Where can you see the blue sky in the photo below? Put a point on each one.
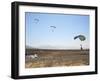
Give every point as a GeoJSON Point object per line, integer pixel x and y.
{"type": "Point", "coordinates": [40, 34]}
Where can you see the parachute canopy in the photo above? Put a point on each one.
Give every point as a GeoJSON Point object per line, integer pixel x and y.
{"type": "Point", "coordinates": [81, 37]}
{"type": "Point", "coordinates": [53, 26]}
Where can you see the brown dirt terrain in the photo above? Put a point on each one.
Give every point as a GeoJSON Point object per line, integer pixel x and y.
{"type": "Point", "coordinates": [54, 58]}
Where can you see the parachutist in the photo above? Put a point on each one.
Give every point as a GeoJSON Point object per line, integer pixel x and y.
{"type": "Point", "coordinates": [81, 47]}
{"type": "Point", "coordinates": [82, 38]}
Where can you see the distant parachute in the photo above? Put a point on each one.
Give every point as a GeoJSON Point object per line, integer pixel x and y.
{"type": "Point", "coordinates": [81, 37]}
{"type": "Point", "coordinates": [52, 28]}
{"type": "Point", "coordinates": [36, 20]}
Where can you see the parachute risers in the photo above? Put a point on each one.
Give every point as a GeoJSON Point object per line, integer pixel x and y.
{"type": "Point", "coordinates": [82, 38]}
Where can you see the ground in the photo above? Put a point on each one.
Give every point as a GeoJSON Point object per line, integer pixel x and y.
{"type": "Point", "coordinates": [54, 58]}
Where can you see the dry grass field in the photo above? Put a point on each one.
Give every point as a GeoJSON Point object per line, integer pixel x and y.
{"type": "Point", "coordinates": [54, 58]}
